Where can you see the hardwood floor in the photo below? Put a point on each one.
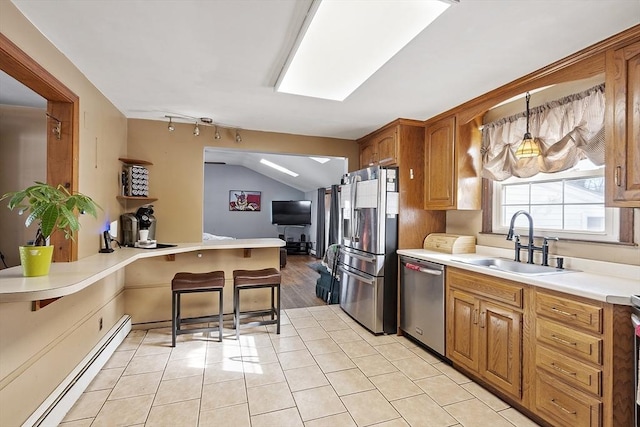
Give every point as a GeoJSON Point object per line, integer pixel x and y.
{"type": "Point", "coordinates": [299, 283]}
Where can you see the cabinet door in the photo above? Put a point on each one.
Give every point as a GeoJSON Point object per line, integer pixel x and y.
{"type": "Point", "coordinates": [501, 347]}
{"type": "Point", "coordinates": [440, 176]}
{"type": "Point", "coordinates": [387, 148]}
{"type": "Point", "coordinates": [368, 155]}
{"type": "Point", "coordinates": [623, 126]}
{"type": "Point", "coordinates": [462, 329]}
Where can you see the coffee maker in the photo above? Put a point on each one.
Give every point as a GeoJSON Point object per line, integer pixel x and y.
{"type": "Point", "coordinates": [132, 223]}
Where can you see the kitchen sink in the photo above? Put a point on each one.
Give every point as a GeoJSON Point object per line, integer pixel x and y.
{"type": "Point", "coordinates": [513, 266]}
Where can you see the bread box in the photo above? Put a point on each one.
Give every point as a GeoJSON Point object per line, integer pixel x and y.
{"type": "Point", "coordinates": [450, 243]}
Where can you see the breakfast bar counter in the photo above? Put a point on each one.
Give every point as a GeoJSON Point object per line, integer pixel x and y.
{"type": "Point", "coordinates": [69, 278]}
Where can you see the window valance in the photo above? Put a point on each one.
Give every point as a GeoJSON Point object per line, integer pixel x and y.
{"type": "Point", "coordinates": [567, 130]}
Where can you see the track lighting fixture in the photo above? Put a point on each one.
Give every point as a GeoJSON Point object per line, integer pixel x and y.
{"type": "Point", "coordinates": [238, 137]}
{"type": "Point", "coordinates": [196, 130]}
{"type": "Point", "coordinates": [216, 135]}
{"type": "Point", "coordinates": [200, 121]}
{"type": "Point", "coordinates": [171, 127]}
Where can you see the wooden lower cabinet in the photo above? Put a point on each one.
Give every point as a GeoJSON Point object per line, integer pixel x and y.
{"type": "Point", "coordinates": [563, 360]}
{"type": "Point", "coordinates": [484, 336]}
{"type": "Point", "coordinates": [565, 406]}
{"type": "Point", "coordinates": [501, 347]}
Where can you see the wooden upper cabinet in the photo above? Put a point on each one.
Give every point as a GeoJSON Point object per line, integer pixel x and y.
{"type": "Point", "coordinates": [440, 172]}
{"type": "Point", "coordinates": [380, 148]}
{"type": "Point", "coordinates": [452, 164]}
{"type": "Point", "coordinates": [388, 148]}
{"type": "Point", "coordinates": [622, 126]}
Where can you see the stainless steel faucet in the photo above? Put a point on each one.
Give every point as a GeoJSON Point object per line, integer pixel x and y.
{"type": "Point", "coordinates": [530, 246]}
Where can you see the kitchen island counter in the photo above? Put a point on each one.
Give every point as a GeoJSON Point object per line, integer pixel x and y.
{"type": "Point", "coordinates": [71, 277]}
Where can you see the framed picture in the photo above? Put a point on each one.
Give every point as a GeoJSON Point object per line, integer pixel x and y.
{"type": "Point", "coordinates": [246, 201]}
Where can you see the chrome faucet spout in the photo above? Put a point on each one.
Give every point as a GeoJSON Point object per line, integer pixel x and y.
{"type": "Point", "coordinates": [530, 246]}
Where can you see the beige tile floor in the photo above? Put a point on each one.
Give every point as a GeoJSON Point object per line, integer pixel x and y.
{"type": "Point", "coordinates": [322, 370]}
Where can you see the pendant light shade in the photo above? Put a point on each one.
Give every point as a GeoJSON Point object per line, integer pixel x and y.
{"type": "Point", "coordinates": [528, 147]}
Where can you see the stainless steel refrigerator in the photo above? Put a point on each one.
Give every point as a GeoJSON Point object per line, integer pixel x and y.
{"type": "Point", "coordinates": [368, 262]}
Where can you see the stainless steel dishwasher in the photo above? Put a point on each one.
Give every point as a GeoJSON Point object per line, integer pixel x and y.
{"type": "Point", "coordinates": [422, 302]}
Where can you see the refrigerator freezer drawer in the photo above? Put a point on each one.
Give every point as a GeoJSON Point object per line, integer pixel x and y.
{"type": "Point", "coordinates": [361, 297]}
{"type": "Point", "coordinates": [368, 263]}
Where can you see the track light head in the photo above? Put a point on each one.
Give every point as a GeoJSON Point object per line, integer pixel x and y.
{"type": "Point", "coordinates": [238, 137]}
{"type": "Point", "coordinates": [216, 135]}
{"type": "Point", "coordinates": [196, 130]}
{"type": "Point", "coordinates": [171, 127]}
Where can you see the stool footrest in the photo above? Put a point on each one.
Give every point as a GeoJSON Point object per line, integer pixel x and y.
{"type": "Point", "coordinates": [259, 323]}
{"type": "Point", "coordinates": [196, 330]}
{"type": "Point", "coordinates": [201, 319]}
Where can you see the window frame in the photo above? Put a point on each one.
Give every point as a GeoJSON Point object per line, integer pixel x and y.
{"type": "Point", "coordinates": [611, 231]}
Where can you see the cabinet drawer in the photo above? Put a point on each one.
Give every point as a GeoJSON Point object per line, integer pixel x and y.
{"type": "Point", "coordinates": [575, 373]}
{"type": "Point", "coordinates": [570, 312]}
{"type": "Point", "coordinates": [565, 406]}
{"type": "Point", "coordinates": [496, 289]}
{"type": "Point", "coordinates": [569, 340]}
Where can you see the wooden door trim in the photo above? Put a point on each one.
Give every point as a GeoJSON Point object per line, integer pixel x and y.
{"type": "Point", "coordinates": [63, 105]}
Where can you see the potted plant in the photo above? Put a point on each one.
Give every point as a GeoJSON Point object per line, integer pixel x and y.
{"type": "Point", "coordinates": [53, 208]}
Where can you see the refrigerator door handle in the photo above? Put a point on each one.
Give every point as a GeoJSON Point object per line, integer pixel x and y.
{"type": "Point", "coordinates": [360, 257]}
{"type": "Point", "coordinates": [366, 280]}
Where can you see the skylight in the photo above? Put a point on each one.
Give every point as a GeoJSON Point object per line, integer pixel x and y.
{"type": "Point", "coordinates": [321, 160]}
{"type": "Point", "coordinates": [342, 43]}
{"type": "Point", "coordinates": [278, 167]}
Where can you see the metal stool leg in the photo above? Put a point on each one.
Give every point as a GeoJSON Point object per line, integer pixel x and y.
{"type": "Point", "coordinates": [173, 319]}
{"type": "Point", "coordinates": [220, 313]}
{"type": "Point", "coordinates": [278, 312]}
{"type": "Point", "coordinates": [236, 311]}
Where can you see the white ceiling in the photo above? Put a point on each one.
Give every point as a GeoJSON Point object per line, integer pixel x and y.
{"type": "Point", "coordinates": [221, 58]}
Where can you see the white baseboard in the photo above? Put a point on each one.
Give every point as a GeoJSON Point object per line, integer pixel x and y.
{"type": "Point", "coordinates": [52, 411]}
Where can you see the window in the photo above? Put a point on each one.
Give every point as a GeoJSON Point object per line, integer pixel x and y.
{"type": "Point", "coordinates": [567, 204]}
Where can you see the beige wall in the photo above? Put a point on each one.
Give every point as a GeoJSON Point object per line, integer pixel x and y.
{"type": "Point", "coordinates": [23, 144]}
{"type": "Point", "coordinates": [102, 126]}
{"type": "Point", "coordinates": [39, 348]}
{"type": "Point", "coordinates": [177, 175]}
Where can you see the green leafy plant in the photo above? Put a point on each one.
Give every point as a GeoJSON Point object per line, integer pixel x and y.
{"type": "Point", "coordinates": [54, 208]}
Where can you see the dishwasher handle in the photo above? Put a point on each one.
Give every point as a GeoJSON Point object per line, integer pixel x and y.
{"type": "Point", "coordinates": [422, 269]}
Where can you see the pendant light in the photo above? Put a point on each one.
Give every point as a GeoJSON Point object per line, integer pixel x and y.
{"type": "Point", "coordinates": [528, 147]}
{"type": "Point", "coordinates": [171, 127]}
{"type": "Point", "coordinates": [216, 135]}
{"type": "Point", "coordinates": [196, 130]}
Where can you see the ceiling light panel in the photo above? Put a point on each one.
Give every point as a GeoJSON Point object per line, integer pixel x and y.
{"type": "Point", "coordinates": [343, 42]}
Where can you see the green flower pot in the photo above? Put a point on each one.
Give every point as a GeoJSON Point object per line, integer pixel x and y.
{"type": "Point", "coordinates": [35, 260]}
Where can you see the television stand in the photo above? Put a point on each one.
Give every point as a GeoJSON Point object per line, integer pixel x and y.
{"type": "Point", "coordinates": [298, 248]}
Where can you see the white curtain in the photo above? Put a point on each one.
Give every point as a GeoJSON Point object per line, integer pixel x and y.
{"type": "Point", "coordinates": [567, 131]}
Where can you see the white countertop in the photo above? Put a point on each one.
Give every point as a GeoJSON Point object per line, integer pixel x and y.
{"type": "Point", "coordinates": [596, 280]}
{"type": "Point", "coordinates": [66, 278]}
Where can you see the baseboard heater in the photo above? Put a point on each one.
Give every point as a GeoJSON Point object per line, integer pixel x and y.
{"type": "Point", "coordinates": [55, 407]}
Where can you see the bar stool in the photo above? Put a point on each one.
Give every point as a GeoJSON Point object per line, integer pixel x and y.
{"type": "Point", "coordinates": [183, 283]}
{"type": "Point", "coordinates": [256, 279]}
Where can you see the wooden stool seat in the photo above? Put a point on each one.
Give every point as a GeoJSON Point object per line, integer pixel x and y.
{"type": "Point", "coordinates": [195, 282]}
{"type": "Point", "coordinates": [256, 279]}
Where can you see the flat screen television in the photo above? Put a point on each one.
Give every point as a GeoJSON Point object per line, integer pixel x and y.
{"type": "Point", "coordinates": [292, 212]}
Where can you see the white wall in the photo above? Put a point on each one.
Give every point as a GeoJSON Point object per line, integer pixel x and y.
{"type": "Point", "coordinates": [219, 220]}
